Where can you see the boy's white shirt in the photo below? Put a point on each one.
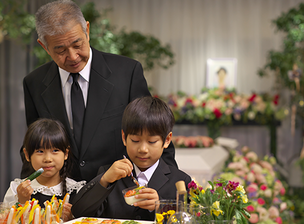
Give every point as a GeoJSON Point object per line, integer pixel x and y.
{"type": "Point", "coordinates": [11, 194]}
{"type": "Point", "coordinates": [147, 174]}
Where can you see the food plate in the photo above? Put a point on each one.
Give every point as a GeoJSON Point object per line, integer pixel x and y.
{"type": "Point", "coordinates": [101, 219]}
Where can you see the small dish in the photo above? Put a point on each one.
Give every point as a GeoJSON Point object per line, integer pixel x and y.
{"type": "Point", "coordinates": [129, 194]}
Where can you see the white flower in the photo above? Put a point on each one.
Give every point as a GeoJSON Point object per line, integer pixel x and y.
{"type": "Point", "coordinates": [251, 115]}
{"type": "Point", "coordinates": [268, 193]}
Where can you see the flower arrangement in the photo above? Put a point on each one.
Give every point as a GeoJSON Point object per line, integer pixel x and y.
{"type": "Point", "coordinates": [265, 191]}
{"type": "Point", "coordinates": [226, 200]}
{"type": "Point", "coordinates": [219, 106]}
{"type": "Point", "coordinates": [192, 141]}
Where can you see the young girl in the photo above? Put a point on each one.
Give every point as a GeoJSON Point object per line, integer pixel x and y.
{"type": "Point", "coordinates": [46, 146]}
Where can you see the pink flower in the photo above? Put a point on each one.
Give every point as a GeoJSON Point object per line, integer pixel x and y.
{"type": "Point", "coordinates": [275, 200]}
{"type": "Point", "coordinates": [266, 165]}
{"type": "Point", "coordinates": [252, 188]}
{"type": "Point", "coordinates": [279, 220]}
{"type": "Point", "coordinates": [273, 212]}
{"type": "Point", "coordinates": [192, 185]}
{"type": "Point", "coordinates": [240, 173]}
{"type": "Point", "coordinates": [261, 179]}
{"type": "Point", "coordinates": [263, 187]}
{"type": "Point", "coordinates": [245, 149]}
{"type": "Point", "coordinates": [250, 177]}
{"type": "Point", "coordinates": [282, 191]}
{"type": "Point", "coordinates": [235, 165]}
{"type": "Point", "coordinates": [254, 218]}
{"type": "Point", "coordinates": [261, 201]}
{"type": "Point", "coordinates": [250, 208]}
{"type": "Point", "coordinates": [237, 116]}
{"type": "Point", "coordinates": [252, 156]}
{"type": "Point", "coordinates": [283, 206]}
{"type": "Point", "coordinates": [263, 213]}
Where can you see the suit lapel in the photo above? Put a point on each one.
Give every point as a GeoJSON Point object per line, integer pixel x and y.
{"type": "Point", "coordinates": [159, 177]}
{"type": "Point", "coordinates": [54, 101]}
{"type": "Point", "coordinates": [98, 95]}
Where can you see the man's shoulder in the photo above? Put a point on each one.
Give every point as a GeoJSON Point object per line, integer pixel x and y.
{"type": "Point", "coordinates": [108, 57]}
{"type": "Point", "coordinates": [41, 71]}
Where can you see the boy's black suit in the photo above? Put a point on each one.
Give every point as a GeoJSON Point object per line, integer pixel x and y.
{"type": "Point", "coordinates": [95, 200]}
{"type": "Point", "coordinates": [114, 82]}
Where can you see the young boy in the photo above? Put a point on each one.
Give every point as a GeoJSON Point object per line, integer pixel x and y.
{"type": "Point", "coordinates": [146, 131]}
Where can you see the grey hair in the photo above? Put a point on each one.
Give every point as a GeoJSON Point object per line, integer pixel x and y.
{"type": "Point", "coordinates": [55, 18]}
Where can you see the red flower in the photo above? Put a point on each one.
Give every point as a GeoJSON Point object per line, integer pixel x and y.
{"type": "Point", "coordinates": [263, 187]}
{"type": "Point", "coordinates": [251, 99]}
{"type": "Point", "coordinates": [217, 113]}
{"type": "Point", "coordinates": [250, 208]}
{"type": "Point", "coordinates": [276, 99]}
{"type": "Point", "coordinates": [203, 104]}
{"type": "Point", "coordinates": [261, 201]}
{"type": "Point", "coordinates": [189, 100]}
{"type": "Point", "coordinates": [245, 158]}
{"type": "Point", "coordinates": [282, 191]}
{"type": "Point", "coordinates": [279, 220]}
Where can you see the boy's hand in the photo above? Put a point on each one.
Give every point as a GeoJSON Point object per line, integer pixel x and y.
{"type": "Point", "coordinates": [24, 191]}
{"type": "Point", "coordinates": [119, 169]}
{"type": "Point", "coordinates": [66, 212]}
{"type": "Point", "coordinates": [150, 195]}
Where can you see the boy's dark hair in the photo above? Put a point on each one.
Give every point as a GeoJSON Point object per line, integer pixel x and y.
{"type": "Point", "coordinates": [150, 114]}
{"type": "Point", "coordinates": [47, 133]}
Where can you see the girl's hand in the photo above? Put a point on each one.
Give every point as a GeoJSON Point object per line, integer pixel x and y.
{"type": "Point", "coordinates": [150, 195]}
{"type": "Point", "coordinates": [119, 169]}
{"type": "Point", "coordinates": [24, 191]}
{"type": "Point", "coordinates": [66, 212]}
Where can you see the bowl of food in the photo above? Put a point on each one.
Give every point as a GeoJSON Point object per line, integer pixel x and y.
{"type": "Point", "coordinates": [129, 194]}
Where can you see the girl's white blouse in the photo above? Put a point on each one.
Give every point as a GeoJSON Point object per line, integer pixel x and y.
{"type": "Point", "coordinates": [11, 194]}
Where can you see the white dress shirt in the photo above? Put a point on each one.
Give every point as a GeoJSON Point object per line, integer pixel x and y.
{"type": "Point", "coordinates": [66, 83]}
{"type": "Point", "coordinates": [144, 177]}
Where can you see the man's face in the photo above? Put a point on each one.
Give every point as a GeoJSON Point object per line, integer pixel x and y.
{"type": "Point", "coordinates": [71, 50]}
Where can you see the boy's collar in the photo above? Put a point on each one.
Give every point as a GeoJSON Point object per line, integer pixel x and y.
{"type": "Point", "coordinates": [149, 172]}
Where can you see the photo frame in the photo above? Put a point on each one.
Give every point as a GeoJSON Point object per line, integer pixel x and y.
{"type": "Point", "coordinates": [221, 72]}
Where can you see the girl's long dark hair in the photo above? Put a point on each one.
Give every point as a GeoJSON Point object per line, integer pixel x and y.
{"type": "Point", "coordinates": [48, 133]}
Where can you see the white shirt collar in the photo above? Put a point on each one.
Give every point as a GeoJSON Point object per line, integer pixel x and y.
{"type": "Point", "coordinates": [149, 172]}
{"type": "Point", "coordinates": [85, 72]}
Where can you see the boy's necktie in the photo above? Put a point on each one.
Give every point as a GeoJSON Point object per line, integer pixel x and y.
{"type": "Point", "coordinates": [78, 109]}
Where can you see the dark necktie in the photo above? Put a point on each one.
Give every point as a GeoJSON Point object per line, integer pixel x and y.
{"type": "Point", "coordinates": [78, 109]}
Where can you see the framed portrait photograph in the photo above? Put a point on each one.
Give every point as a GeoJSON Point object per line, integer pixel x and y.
{"type": "Point", "coordinates": [221, 72]}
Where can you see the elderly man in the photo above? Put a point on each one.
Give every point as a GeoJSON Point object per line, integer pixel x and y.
{"type": "Point", "coordinates": [87, 90]}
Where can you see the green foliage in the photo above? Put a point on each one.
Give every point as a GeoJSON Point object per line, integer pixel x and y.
{"type": "Point", "coordinates": [145, 48]}
{"type": "Point", "coordinates": [292, 24]}
{"type": "Point", "coordinates": [15, 21]}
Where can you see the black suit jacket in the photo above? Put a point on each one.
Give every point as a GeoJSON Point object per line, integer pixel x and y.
{"type": "Point", "coordinates": [114, 82]}
{"type": "Point", "coordinates": [93, 200]}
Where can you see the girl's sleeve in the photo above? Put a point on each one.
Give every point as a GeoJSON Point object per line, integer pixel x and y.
{"type": "Point", "coordinates": [11, 194]}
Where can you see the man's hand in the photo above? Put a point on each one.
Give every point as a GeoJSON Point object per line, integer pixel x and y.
{"type": "Point", "coordinates": [24, 191]}
{"type": "Point", "coordinates": [150, 195]}
{"type": "Point", "coordinates": [119, 169]}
